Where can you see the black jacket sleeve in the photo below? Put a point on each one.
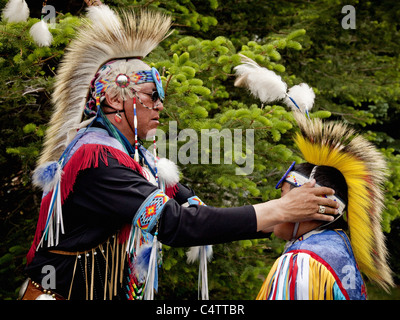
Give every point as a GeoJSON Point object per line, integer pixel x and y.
{"type": "Point", "coordinates": [201, 225]}
{"type": "Point", "coordinates": [119, 191]}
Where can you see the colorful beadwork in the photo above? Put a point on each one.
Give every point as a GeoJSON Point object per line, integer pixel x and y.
{"type": "Point", "coordinates": [108, 79]}
{"type": "Point", "coordinates": [195, 200]}
{"type": "Point", "coordinates": [279, 184]}
{"type": "Point", "coordinates": [150, 210]}
{"type": "Point", "coordinates": [157, 80]}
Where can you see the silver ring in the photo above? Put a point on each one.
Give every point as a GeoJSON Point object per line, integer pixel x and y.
{"type": "Point", "coordinates": [321, 209]}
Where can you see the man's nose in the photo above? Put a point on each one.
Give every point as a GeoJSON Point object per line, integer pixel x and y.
{"type": "Point", "coordinates": [159, 107]}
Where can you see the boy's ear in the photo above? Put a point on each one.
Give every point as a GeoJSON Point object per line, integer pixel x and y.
{"type": "Point", "coordinates": [114, 101]}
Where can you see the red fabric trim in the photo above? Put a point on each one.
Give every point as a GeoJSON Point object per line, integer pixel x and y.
{"type": "Point", "coordinates": [171, 191]}
{"type": "Point", "coordinates": [124, 233]}
{"type": "Point", "coordinates": [322, 261]}
{"type": "Point", "coordinates": [87, 156]}
{"type": "Point", "coordinates": [44, 207]}
{"type": "Point", "coordinates": [293, 276]}
{"type": "Point", "coordinates": [277, 279]}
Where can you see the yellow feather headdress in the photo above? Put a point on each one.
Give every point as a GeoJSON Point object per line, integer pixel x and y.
{"type": "Point", "coordinates": [105, 35]}
{"type": "Point", "coordinates": [337, 145]}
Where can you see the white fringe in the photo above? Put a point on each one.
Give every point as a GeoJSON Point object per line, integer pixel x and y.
{"type": "Point", "coordinates": [151, 273]}
{"type": "Point", "coordinates": [55, 223]}
{"type": "Point", "coordinates": [204, 254]}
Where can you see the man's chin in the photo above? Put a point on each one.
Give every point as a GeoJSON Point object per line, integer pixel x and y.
{"type": "Point", "coordinates": [151, 133]}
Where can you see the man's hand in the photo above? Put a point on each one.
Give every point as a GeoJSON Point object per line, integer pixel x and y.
{"type": "Point", "coordinates": [302, 204]}
{"type": "Point", "coordinates": [299, 204]}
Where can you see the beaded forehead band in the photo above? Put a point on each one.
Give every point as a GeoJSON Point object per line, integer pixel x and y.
{"type": "Point", "coordinates": [121, 79]}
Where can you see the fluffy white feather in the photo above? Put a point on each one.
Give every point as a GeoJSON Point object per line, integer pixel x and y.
{"type": "Point", "coordinates": [16, 11]}
{"type": "Point", "coordinates": [193, 254]}
{"type": "Point", "coordinates": [41, 34]}
{"type": "Point", "coordinates": [47, 175]}
{"type": "Point", "coordinates": [102, 16]}
{"type": "Point", "coordinates": [168, 172]}
{"type": "Point", "coordinates": [265, 84]}
{"type": "Point", "coordinates": [303, 95]}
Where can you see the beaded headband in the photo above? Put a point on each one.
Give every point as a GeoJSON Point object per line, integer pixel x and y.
{"type": "Point", "coordinates": [124, 82]}
{"type": "Point", "coordinates": [119, 78]}
{"type": "Point", "coordinates": [297, 179]}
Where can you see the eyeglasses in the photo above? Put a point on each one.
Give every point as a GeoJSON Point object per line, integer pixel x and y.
{"type": "Point", "coordinates": [154, 97]}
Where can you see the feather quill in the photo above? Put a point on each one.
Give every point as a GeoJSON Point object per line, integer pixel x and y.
{"type": "Point", "coordinates": [267, 86]}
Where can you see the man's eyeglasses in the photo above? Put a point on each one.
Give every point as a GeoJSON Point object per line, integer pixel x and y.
{"type": "Point", "coordinates": [154, 97]}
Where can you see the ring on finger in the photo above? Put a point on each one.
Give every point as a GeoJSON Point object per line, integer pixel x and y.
{"type": "Point", "coordinates": [321, 209]}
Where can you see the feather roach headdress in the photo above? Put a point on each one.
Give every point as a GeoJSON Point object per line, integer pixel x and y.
{"type": "Point", "coordinates": [337, 145]}
{"type": "Point", "coordinates": [104, 36]}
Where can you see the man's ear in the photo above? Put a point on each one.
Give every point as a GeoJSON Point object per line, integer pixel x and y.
{"type": "Point", "coordinates": [114, 101]}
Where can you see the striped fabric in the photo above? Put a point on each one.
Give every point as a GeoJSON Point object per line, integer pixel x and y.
{"type": "Point", "coordinates": [301, 276]}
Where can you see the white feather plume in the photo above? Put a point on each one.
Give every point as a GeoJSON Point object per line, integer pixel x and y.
{"type": "Point", "coordinates": [16, 11]}
{"type": "Point", "coordinates": [265, 84]}
{"type": "Point", "coordinates": [102, 15]}
{"type": "Point", "coordinates": [303, 95]}
{"type": "Point", "coordinates": [47, 176]}
{"type": "Point", "coordinates": [41, 34]}
{"type": "Point", "coordinates": [193, 254]}
{"type": "Point", "coordinates": [168, 172]}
